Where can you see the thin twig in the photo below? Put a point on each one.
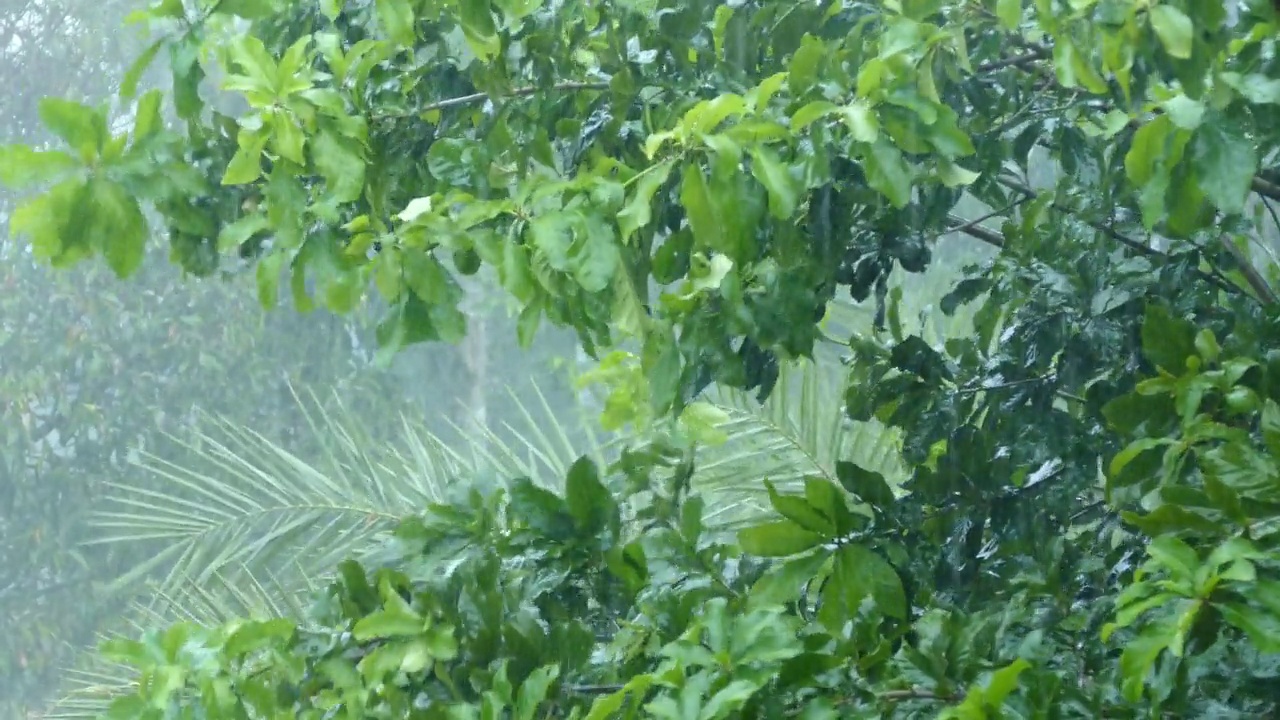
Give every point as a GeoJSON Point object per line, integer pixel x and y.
{"type": "Point", "coordinates": [1037, 53]}
{"type": "Point", "coordinates": [481, 96]}
{"type": "Point", "coordinates": [967, 226]}
{"type": "Point", "coordinates": [918, 694]}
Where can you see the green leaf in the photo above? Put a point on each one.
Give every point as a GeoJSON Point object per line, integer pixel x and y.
{"type": "Point", "coordinates": [388, 623]}
{"type": "Point", "coordinates": [479, 29]}
{"type": "Point", "coordinates": [533, 691]}
{"type": "Point", "coordinates": [861, 573]}
{"type": "Point", "coordinates": [589, 501]}
{"type": "Point", "coordinates": [287, 138]}
{"type": "Point", "coordinates": [728, 700]}
{"type": "Point", "coordinates": [1179, 558]}
{"type": "Point", "coordinates": [21, 166]}
{"type": "Point", "coordinates": [1174, 29]}
{"type": "Point", "coordinates": [775, 176]}
{"type": "Point", "coordinates": [147, 119]}
{"type": "Point", "coordinates": [1167, 341]}
{"type": "Point", "coordinates": [116, 226]}
{"type": "Point", "coordinates": [232, 236]}
{"type": "Point", "coordinates": [1009, 12]}
{"type": "Point", "coordinates": [340, 162]}
{"type": "Point", "coordinates": [79, 126]}
{"type": "Point", "coordinates": [869, 486]}
{"type": "Point", "coordinates": [595, 256]}
{"type": "Point", "coordinates": [129, 83]}
{"type": "Point", "coordinates": [1225, 161]}
{"type": "Point", "coordinates": [638, 211]}
{"type": "Point", "coordinates": [703, 215]}
{"type": "Point", "coordinates": [1184, 112]}
{"type": "Point", "coordinates": [861, 121]}
{"type": "Point", "coordinates": [248, 9]}
{"type": "Point", "coordinates": [777, 539]}
{"type": "Point", "coordinates": [397, 20]}
{"type": "Point", "coordinates": [1262, 627]}
{"type": "Point", "coordinates": [798, 510]}
{"type": "Point", "coordinates": [810, 113]}
{"type": "Point", "coordinates": [953, 175]}
{"type": "Point", "coordinates": [783, 582]}
{"type": "Point", "coordinates": [246, 165]}
{"type": "Point", "coordinates": [1004, 681]}
{"type": "Point", "coordinates": [888, 172]}
{"type": "Point", "coordinates": [541, 509]}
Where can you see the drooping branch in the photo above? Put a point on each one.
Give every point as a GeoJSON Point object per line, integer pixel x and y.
{"type": "Point", "coordinates": [1251, 274]}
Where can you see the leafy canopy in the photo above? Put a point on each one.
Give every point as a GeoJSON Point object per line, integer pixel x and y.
{"type": "Point", "coordinates": [1088, 523]}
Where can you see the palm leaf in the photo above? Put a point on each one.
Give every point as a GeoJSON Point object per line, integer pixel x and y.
{"type": "Point", "coordinates": [800, 431]}
{"type": "Point", "coordinates": [239, 593]}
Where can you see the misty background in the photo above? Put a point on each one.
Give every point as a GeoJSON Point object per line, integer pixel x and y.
{"type": "Point", "coordinates": [96, 372]}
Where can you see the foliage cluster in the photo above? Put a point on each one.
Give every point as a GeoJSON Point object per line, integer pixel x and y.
{"type": "Point", "coordinates": [1088, 525]}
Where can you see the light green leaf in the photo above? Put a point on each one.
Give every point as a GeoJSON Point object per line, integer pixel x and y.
{"type": "Point", "coordinates": [397, 20]}
{"type": "Point", "coordinates": [777, 539]}
{"type": "Point", "coordinates": [246, 165]}
{"type": "Point", "coordinates": [147, 119]}
{"type": "Point", "coordinates": [807, 114]}
{"type": "Point", "coordinates": [416, 208]}
{"type": "Point", "coordinates": [1009, 13]}
{"type": "Point", "coordinates": [595, 255]}
{"type": "Point", "coordinates": [1174, 29]}
{"type": "Point", "coordinates": [116, 226]}
{"type": "Point", "coordinates": [248, 9]}
{"type": "Point", "coordinates": [784, 581]}
{"type": "Point", "coordinates": [79, 126]}
{"type": "Point", "coordinates": [533, 691]}
{"type": "Point", "coordinates": [129, 83]}
{"type": "Point", "coordinates": [861, 121]}
{"type": "Point", "coordinates": [1179, 558]}
{"type": "Point", "coordinates": [388, 623]}
{"type": "Point", "coordinates": [45, 219]}
{"type": "Point", "coordinates": [775, 176]}
{"type": "Point", "coordinates": [1254, 87]}
{"type": "Point", "coordinates": [637, 213]}
{"type": "Point", "coordinates": [704, 220]}
{"type": "Point", "coordinates": [287, 138]}
{"type": "Point", "coordinates": [340, 162]}
{"type": "Point", "coordinates": [479, 29]}
{"type": "Point", "coordinates": [1184, 112]}
{"type": "Point", "coordinates": [239, 232]}
{"type": "Point", "coordinates": [702, 421]}
{"type": "Point", "coordinates": [1225, 161]}
{"type": "Point", "coordinates": [1004, 681]}
{"type": "Point", "coordinates": [1146, 149]}
{"type": "Point", "coordinates": [21, 166]}
{"type": "Point", "coordinates": [888, 172]}
{"type": "Point", "coordinates": [952, 175]}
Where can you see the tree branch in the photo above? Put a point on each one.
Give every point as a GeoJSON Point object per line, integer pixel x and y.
{"type": "Point", "coordinates": [974, 230]}
{"type": "Point", "coordinates": [1128, 242]}
{"type": "Point", "coordinates": [1259, 284]}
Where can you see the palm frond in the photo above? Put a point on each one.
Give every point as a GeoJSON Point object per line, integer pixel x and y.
{"type": "Point", "coordinates": [239, 498]}
{"type": "Point", "coordinates": [801, 431]}
{"type": "Point", "coordinates": [238, 593]}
